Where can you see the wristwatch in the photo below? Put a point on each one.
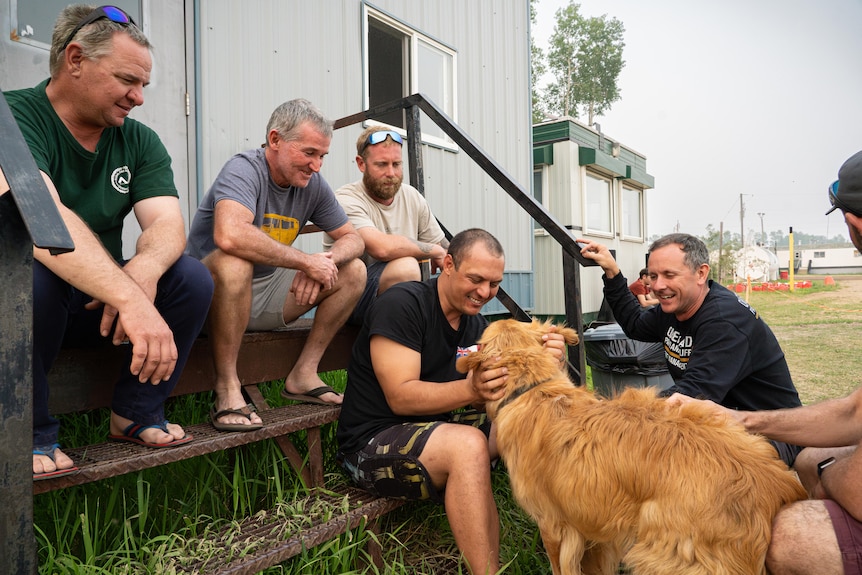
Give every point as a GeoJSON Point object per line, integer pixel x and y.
{"type": "Point", "coordinates": [824, 464]}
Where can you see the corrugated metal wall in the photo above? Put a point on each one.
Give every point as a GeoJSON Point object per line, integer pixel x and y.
{"type": "Point", "coordinates": [258, 53]}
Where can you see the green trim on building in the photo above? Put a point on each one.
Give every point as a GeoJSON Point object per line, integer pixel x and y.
{"type": "Point", "coordinates": [543, 155]}
{"type": "Point", "coordinates": [592, 157]}
{"type": "Point", "coordinates": [550, 133]}
{"type": "Point", "coordinates": [640, 177]}
{"type": "Point", "coordinates": [593, 150]}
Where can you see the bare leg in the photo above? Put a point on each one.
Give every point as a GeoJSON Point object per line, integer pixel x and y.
{"type": "Point", "coordinates": [806, 465]}
{"type": "Point", "coordinates": [456, 456]}
{"type": "Point", "coordinates": [333, 310]}
{"type": "Point", "coordinates": [397, 271]}
{"type": "Point", "coordinates": [803, 541]}
{"type": "Point", "coordinates": [228, 318]}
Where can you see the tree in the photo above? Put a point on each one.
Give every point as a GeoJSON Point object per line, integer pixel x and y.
{"type": "Point", "coordinates": [585, 58]}
{"type": "Point", "coordinates": [722, 252]}
{"type": "Point", "coordinates": [537, 69]}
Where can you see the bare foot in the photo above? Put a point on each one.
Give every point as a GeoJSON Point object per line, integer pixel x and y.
{"type": "Point", "coordinates": [44, 464]}
{"type": "Point", "coordinates": [295, 384]}
{"type": "Point", "coordinates": [151, 435]}
{"type": "Point", "coordinates": [238, 402]}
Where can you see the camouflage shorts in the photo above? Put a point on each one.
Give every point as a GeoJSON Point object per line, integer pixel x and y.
{"type": "Point", "coordinates": [389, 465]}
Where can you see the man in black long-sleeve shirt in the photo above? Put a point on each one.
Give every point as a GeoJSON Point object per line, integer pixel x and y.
{"type": "Point", "coordinates": [716, 346]}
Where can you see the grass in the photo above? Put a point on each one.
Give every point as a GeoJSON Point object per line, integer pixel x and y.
{"type": "Point", "coordinates": [818, 329]}
{"type": "Point", "coordinates": [149, 522]}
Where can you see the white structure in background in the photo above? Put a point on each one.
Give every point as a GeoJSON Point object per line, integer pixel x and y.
{"type": "Point", "coordinates": [822, 260]}
{"type": "Point", "coordinates": [755, 263]}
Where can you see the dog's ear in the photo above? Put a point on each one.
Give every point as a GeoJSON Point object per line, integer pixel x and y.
{"type": "Point", "coordinates": [470, 361]}
{"type": "Point", "coordinates": [570, 335]}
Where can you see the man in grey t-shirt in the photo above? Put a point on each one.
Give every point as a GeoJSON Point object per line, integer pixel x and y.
{"type": "Point", "coordinates": [243, 231]}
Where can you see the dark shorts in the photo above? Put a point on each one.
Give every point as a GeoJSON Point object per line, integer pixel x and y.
{"type": "Point", "coordinates": [389, 464]}
{"type": "Point", "coordinates": [786, 451]}
{"type": "Point", "coordinates": [849, 533]}
{"type": "Point", "coordinates": [372, 284]}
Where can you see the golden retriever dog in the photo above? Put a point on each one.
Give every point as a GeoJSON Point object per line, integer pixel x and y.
{"type": "Point", "coordinates": [665, 490]}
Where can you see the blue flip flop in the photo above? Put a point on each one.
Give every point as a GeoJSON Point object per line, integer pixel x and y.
{"type": "Point", "coordinates": [132, 434]}
{"type": "Point", "coordinates": [49, 452]}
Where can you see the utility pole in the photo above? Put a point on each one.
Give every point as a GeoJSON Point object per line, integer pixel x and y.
{"type": "Point", "coordinates": [720, 250]}
{"type": "Point", "coordinates": [742, 237]}
{"type": "Point", "coordinates": [762, 234]}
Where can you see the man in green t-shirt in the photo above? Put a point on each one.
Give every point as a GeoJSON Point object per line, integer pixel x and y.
{"type": "Point", "coordinates": [100, 166]}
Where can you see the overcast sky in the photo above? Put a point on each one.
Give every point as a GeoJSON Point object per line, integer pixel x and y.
{"type": "Point", "coordinates": [729, 97]}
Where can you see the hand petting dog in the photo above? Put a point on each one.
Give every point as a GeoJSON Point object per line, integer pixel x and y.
{"type": "Point", "coordinates": [488, 381]}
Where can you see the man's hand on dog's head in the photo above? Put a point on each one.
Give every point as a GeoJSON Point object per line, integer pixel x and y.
{"type": "Point", "coordinates": [555, 344]}
{"type": "Point", "coordinates": [489, 382]}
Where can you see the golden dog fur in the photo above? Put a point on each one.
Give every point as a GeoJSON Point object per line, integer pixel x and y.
{"type": "Point", "coordinates": [675, 491]}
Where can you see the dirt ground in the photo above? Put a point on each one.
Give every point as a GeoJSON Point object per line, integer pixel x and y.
{"type": "Point", "coordinates": [851, 285]}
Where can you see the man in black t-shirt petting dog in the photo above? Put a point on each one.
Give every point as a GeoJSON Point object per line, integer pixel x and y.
{"type": "Point", "coordinates": [398, 433]}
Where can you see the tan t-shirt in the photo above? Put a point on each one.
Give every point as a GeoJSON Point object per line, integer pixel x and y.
{"type": "Point", "coordinates": [408, 215]}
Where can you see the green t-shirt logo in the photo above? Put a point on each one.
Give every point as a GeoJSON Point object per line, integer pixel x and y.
{"type": "Point", "coordinates": [120, 179]}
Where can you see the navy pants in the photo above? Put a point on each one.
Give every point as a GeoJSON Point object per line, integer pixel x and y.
{"type": "Point", "coordinates": [60, 320]}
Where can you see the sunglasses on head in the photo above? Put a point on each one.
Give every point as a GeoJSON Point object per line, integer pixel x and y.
{"type": "Point", "coordinates": [833, 198]}
{"type": "Point", "coordinates": [377, 137]}
{"type": "Point", "coordinates": [112, 13]}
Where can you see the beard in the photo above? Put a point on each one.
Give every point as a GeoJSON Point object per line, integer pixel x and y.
{"type": "Point", "coordinates": [383, 189]}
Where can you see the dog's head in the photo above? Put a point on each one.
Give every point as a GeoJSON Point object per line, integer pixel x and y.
{"type": "Point", "coordinates": [512, 335]}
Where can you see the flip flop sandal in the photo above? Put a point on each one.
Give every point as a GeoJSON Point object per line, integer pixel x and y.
{"type": "Point", "coordinates": [49, 452]}
{"type": "Point", "coordinates": [311, 396]}
{"type": "Point", "coordinates": [132, 434]}
{"type": "Point", "coordinates": [245, 411]}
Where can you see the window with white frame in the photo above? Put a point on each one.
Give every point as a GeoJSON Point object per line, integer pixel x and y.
{"type": "Point", "coordinates": [599, 204]}
{"type": "Point", "coordinates": [540, 174]}
{"type": "Point", "coordinates": [400, 61]}
{"type": "Point", "coordinates": [632, 213]}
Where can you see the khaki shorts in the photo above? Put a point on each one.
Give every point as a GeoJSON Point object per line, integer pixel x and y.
{"type": "Point", "coordinates": [268, 295]}
{"type": "Point", "coordinates": [389, 465]}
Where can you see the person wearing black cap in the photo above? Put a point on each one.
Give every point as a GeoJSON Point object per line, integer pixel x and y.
{"type": "Point", "coordinates": [822, 535]}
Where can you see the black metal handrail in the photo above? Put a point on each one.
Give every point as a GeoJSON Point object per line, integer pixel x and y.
{"type": "Point", "coordinates": [28, 217]}
{"type": "Point", "coordinates": [571, 251]}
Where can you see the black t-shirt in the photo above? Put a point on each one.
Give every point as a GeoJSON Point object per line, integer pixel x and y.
{"type": "Point", "coordinates": [408, 313]}
{"type": "Point", "coordinates": [724, 352]}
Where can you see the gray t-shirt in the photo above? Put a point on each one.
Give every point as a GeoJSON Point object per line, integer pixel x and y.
{"type": "Point", "coordinates": [279, 212]}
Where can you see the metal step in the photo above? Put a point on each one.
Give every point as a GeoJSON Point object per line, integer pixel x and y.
{"type": "Point", "coordinates": [271, 537]}
{"type": "Point", "coordinates": [110, 459]}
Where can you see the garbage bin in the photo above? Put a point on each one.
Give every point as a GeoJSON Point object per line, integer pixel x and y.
{"type": "Point", "coordinates": [618, 362]}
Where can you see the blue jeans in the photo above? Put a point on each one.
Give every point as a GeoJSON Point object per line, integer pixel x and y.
{"type": "Point", "coordinates": [60, 320]}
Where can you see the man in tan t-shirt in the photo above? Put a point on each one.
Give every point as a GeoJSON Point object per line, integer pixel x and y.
{"type": "Point", "coordinates": [393, 218]}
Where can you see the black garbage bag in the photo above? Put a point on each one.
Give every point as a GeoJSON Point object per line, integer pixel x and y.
{"type": "Point", "coordinates": [607, 348]}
